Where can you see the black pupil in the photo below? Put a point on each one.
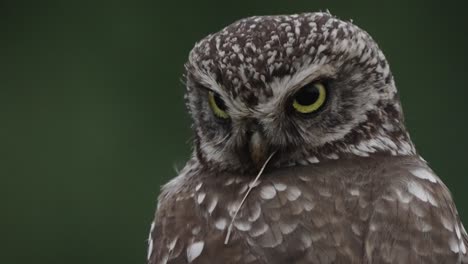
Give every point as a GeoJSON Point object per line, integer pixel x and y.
{"type": "Point", "coordinates": [219, 102]}
{"type": "Point", "coordinates": [307, 95]}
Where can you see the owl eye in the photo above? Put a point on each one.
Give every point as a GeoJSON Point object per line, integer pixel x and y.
{"type": "Point", "coordinates": [310, 98]}
{"type": "Point", "coordinates": [217, 105]}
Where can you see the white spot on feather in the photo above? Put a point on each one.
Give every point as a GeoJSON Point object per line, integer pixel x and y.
{"type": "Point", "coordinates": [232, 207]}
{"type": "Point", "coordinates": [463, 228]}
{"type": "Point", "coordinates": [462, 247]}
{"type": "Point", "coordinates": [287, 228]}
{"type": "Point", "coordinates": [425, 227]}
{"type": "Point", "coordinates": [212, 204]}
{"type": "Point", "coordinates": [150, 247]}
{"type": "Point", "coordinates": [354, 192]}
{"type": "Point", "coordinates": [201, 197]}
{"type": "Point", "coordinates": [267, 192]}
{"type": "Point", "coordinates": [403, 197]}
{"type": "Point", "coordinates": [221, 223]}
{"type": "Point", "coordinates": [229, 181]}
{"type": "Point", "coordinates": [280, 186]}
{"type": "Point", "coordinates": [446, 223]}
{"type": "Point", "coordinates": [255, 212]}
{"type": "Point", "coordinates": [150, 241]}
{"type": "Point", "coordinates": [242, 225]}
{"type": "Point", "coordinates": [196, 230]}
{"type": "Point", "coordinates": [236, 48]}
{"type": "Point", "coordinates": [457, 231]}
{"type": "Point", "coordinates": [417, 190]}
{"type": "Point", "coordinates": [292, 193]}
{"type": "Point", "coordinates": [453, 245]}
{"type": "Point", "coordinates": [164, 259]}
{"type": "Point", "coordinates": [243, 189]}
{"type": "Point", "coordinates": [313, 160]}
{"type": "Point", "coordinates": [194, 250]}
{"type": "Point", "coordinates": [356, 229]}
{"type": "Point", "coordinates": [324, 191]}
{"type": "Point", "coordinates": [424, 174]}
{"type": "Point", "coordinates": [306, 240]}
{"type": "Point", "coordinates": [308, 205]}
{"type": "Point", "coordinates": [171, 245]}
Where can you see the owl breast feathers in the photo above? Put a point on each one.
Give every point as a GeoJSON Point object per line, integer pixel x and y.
{"type": "Point", "coordinates": [307, 101]}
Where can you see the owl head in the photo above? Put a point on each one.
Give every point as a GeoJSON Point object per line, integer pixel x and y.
{"type": "Point", "coordinates": [309, 87]}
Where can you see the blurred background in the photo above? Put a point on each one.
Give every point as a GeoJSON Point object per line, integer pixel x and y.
{"type": "Point", "coordinates": [93, 120]}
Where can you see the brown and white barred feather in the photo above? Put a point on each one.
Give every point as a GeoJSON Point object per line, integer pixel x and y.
{"type": "Point", "coordinates": [380, 209]}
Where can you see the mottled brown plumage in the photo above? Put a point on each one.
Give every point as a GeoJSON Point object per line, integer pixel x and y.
{"type": "Point", "coordinates": [343, 211]}
{"type": "Point", "coordinates": [345, 184]}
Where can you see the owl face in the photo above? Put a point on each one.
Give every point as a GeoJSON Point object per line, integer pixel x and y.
{"type": "Point", "coordinates": [308, 87]}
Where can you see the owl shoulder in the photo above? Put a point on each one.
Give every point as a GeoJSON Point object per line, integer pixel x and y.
{"type": "Point", "coordinates": [414, 219]}
{"type": "Point", "coordinates": [173, 236]}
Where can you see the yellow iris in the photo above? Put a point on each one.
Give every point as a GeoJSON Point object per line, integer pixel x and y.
{"type": "Point", "coordinates": [217, 105]}
{"type": "Point", "coordinates": [310, 98]}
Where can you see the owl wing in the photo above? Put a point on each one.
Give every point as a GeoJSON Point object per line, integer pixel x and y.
{"type": "Point", "coordinates": [181, 234]}
{"type": "Point", "coordinates": [381, 211]}
{"type": "Point", "coordinates": [166, 239]}
{"type": "Point", "coordinates": [415, 220]}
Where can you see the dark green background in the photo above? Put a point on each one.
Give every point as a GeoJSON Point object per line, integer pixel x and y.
{"type": "Point", "coordinates": [93, 119]}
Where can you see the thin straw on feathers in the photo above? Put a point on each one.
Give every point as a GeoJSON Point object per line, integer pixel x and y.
{"type": "Point", "coordinates": [251, 186]}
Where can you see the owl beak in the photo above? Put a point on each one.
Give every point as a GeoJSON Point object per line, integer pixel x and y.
{"type": "Point", "coordinates": [258, 149]}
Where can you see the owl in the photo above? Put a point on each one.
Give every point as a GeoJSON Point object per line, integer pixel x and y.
{"type": "Point", "coordinates": [300, 155]}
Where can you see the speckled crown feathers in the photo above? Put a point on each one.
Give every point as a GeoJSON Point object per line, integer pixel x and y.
{"type": "Point", "coordinates": [248, 54]}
